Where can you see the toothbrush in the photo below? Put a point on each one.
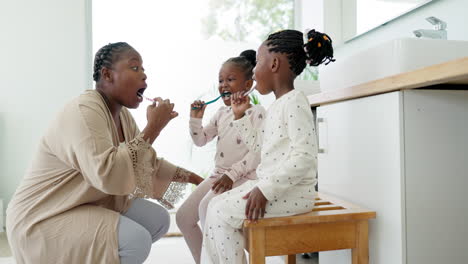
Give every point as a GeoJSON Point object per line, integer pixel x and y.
{"type": "Point", "coordinates": [214, 100]}
{"type": "Point", "coordinates": [249, 91]}
{"type": "Point", "coordinates": [149, 99]}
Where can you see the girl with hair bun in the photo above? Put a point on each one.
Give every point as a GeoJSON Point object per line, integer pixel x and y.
{"type": "Point", "coordinates": [234, 162]}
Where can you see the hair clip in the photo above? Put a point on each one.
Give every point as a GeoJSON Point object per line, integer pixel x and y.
{"type": "Point", "coordinates": [326, 38]}
{"type": "Point", "coordinates": [319, 45]}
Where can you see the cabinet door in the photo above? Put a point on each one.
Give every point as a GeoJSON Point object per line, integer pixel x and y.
{"type": "Point", "coordinates": [361, 162]}
{"type": "Point", "coordinates": [436, 150]}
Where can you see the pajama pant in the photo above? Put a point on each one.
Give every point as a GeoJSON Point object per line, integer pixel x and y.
{"type": "Point", "coordinates": [223, 242]}
{"type": "Point", "coordinates": [194, 210]}
{"type": "Point", "coordinates": [143, 224]}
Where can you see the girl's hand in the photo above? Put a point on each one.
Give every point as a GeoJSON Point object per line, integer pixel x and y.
{"type": "Point", "coordinates": [256, 203]}
{"type": "Point", "coordinates": [224, 183]}
{"type": "Point", "coordinates": [239, 104]}
{"type": "Point", "coordinates": [197, 113]}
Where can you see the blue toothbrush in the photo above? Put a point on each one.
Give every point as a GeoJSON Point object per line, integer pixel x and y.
{"type": "Point", "coordinates": [214, 100]}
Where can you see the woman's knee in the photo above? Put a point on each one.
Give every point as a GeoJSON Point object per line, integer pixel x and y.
{"type": "Point", "coordinates": [166, 222]}
{"type": "Point", "coordinates": [163, 222]}
{"type": "Point", "coordinates": [134, 242]}
{"type": "Point", "coordinates": [151, 216]}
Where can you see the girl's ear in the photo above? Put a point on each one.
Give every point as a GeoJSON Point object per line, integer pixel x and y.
{"type": "Point", "coordinates": [249, 84]}
{"type": "Point", "coordinates": [106, 74]}
{"type": "Point", "coordinates": [275, 64]}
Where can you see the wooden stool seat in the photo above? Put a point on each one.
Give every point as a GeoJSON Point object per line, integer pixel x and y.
{"type": "Point", "coordinates": [333, 224]}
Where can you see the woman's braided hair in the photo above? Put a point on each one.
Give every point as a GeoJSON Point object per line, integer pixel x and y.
{"type": "Point", "coordinates": [107, 56]}
{"type": "Point", "coordinates": [245, 61]}
{"type": "Point", "coordinates": [317, 50]}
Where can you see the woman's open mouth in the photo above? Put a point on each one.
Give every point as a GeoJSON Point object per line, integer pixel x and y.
{"type": "Point", "coordinates": [140, 94]}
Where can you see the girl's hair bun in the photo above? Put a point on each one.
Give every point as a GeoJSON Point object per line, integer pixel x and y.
{"type": "Point", "coordinates": [250, 55]}
{"type": "Point", "coordinates": [318, 48]}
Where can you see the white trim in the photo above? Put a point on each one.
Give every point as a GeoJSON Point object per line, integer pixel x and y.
{"type": "Point", "coordinates": [88, 43]}
{"type": "Point", "coordinates": [2, 217]}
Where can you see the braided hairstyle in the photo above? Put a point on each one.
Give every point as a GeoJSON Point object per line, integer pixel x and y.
{"type": "Point", "coordinates": [107, 56]}
{"type": "Point", "coordinates": [317, 50]}
{"type": "Point", "coordinates": [245, 61]}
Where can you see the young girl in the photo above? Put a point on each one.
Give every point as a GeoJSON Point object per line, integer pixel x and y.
{"type": "Point", "coordinates": [81, 200]}
{"type": "Point", "coordinates": [234, 163]}
{"type": "Point", "coordinates": [287, 172]}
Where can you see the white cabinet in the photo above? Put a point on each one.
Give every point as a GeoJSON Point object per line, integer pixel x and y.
{"type": "Point", "coordinates": [405, 155]}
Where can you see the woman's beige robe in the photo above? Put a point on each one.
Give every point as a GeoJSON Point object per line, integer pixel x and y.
{"type": "Point", "coordinates": [67, 208]}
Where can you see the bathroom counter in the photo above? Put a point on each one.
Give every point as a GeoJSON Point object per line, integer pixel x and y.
{"type": "Point", "coordinates": [452, 72]}
{"type": "Point", "coordinates": [397, 145]}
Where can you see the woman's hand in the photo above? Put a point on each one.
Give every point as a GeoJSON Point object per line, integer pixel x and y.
{"type": "Point", "coordinates": [195, 179]}
{"type": "Point", "coordinates": [160, 112]}
{"type": "Point", "coordinates": [224, 183]}
{"type": "Point", "coordinates": [256, 203]}
{"type": "Point", "coordinates": [158, 115]}
{"type": "Point", "coordinates": [239, 104]}
{"type": "Point", "coordinates": [200, 109]}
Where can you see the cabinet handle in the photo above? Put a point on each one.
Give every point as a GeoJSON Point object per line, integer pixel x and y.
{"type": "Point", "coordinates": [322, 135]}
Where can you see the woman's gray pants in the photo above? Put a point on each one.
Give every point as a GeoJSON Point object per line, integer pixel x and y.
{"type": "Point", "coordinates": [143, 224]}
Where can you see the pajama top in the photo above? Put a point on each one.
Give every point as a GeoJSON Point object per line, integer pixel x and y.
{"type": "Point", "coordinates": [288, 146]}
{"type": "Point", "coordinates": [233, 157]}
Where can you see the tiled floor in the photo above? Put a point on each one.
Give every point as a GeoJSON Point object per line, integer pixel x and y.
{"type": "Point", "coordinates": [171, 250]}
{"type": "Point", "coordinates": [175, 250]}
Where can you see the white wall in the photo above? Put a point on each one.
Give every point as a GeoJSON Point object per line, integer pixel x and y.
{"type": "Point", "coordinates": [326, 15]}
{"type": "Point", "coordinates": [46, 58]}
{"type": "Point", "coordinates": [451, 11]}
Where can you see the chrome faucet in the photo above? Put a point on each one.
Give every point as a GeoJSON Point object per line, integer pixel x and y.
{"type": "Point", "coordinates": [439, 31]}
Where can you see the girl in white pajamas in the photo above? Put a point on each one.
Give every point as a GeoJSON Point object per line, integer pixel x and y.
{"type": "Point", "coordinates": [234, 163]}
{"type": "Point", "coordinates": [287, 142]}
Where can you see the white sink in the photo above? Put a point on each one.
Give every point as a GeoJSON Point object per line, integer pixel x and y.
{"type": "Point", "coordinates": [389, 58]}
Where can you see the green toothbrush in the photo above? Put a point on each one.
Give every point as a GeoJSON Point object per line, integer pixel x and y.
{"type": "Point", "coordinates": [214, 100]}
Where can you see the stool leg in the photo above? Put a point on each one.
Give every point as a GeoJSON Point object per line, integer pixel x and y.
{"type": "Point", "coordinates": [360, 254]}
{"type": "Point", "coordinates": [256, 245]}
{"type": "Point", "coordinates": [290, 259]}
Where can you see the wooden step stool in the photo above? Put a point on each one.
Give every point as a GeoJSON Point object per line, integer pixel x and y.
{"type": "Point", "coordinates": [333, 224]}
